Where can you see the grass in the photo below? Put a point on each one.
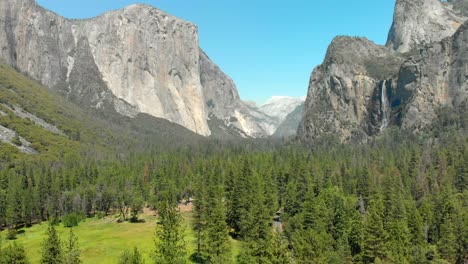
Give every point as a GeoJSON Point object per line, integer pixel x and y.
{"type": "Point", "coordinates": [100, 240]}
{"type": "Point", "coordinates": [103, 240]}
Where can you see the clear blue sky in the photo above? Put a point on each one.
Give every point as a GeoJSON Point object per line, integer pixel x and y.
{"type": "Point", "coordinates": [268, 47]}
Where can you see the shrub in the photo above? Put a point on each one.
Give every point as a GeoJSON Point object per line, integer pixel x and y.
{"type": "Point", "coordinates": [71, 220]}
{"type": "Point", "coordinates": [11, 234]}
{"type": "Point", "coordinates": [16, 140]}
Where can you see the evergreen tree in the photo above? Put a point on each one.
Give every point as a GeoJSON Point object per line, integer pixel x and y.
{"type": "Point", "coordinates": [72, 251]}
{"type": "Point", "coordinates": [280, 254]}
{"type": "Point", "coordinates": [395, 218]}
{"type": "Point", "coordinates": [375, 236]}
{"type": "Point", "coordinates": [170, 245]}
{"type": "Point", "coordinates": [13, 254]}
{"type": "Point", "coordinates": [201, 207]}
{"type": "Point", "coordinates": [136, 208]}
{"type": "Point", "coordinates": [448, 241]}
{"type": "Point", "coordinates": [52, 247]}
{"type": "Point", "coordinates": [14, 210]}
{"type": "Point", "coordinates": [129, 257]}
{"type": "Point", "coordinates": [218, 250]}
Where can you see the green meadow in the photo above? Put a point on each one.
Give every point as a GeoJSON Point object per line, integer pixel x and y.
{"type": "Point", "coordinates": [103, 240]}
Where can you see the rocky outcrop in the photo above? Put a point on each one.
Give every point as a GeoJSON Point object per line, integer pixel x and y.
{"type": "Point", "coordinates": [18, 111]}
{"type": "Point", "coordinates": [419, 22]}
{"type": "Point", "coordinates": [434, 78]}
{"type": "Point", "coordinates": [223, 102]}
{"type": "Point", "coordinates": [135, 60]}
{"type": "Point", "coordinates": [346, 93]}
{"type": "Point", "coordinates": [11, 137]}
{"type": "Point", "coordinates": [361, 89]}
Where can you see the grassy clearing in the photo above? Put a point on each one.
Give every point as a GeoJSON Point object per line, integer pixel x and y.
{"type": "Point", "coordinates": [103, 240]}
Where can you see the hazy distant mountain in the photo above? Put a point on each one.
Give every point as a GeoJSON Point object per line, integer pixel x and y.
{"type": "Point", "coordinates": [281, 106]}
{"type": "Point", "coordinates": [288, 127]}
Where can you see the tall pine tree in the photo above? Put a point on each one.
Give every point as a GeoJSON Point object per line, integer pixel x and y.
{"type": "Point", "coordinates": [170, 244]}
{"type": "Point", "coordinates": [52, 248]}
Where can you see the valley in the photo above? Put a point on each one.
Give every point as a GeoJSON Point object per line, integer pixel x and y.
{"type": "Point", "coordinates": [122, 141]}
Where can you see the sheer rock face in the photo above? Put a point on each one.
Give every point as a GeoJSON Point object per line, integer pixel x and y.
{"type": "Point", "coordinates": [418, 22]}
{"type": "Point", "coordinates": [362, 89]}
{"type": "Point", "coordinates": [434, 78]}
{"type": "Point", "coordinates": [135, 60]}
{"type": "Point", "coordinates": [223, 102]}
{"type": "Point", "coordinates": [345, 92]}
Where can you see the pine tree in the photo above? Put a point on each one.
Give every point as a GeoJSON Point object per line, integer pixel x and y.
{"type": "Point", "coordinates": [256, 227]}
{"type": "Point", "coordinates": [218, 250]}
{"type": "Point", "coordinates": [52, 248]}
{"type": "Point", "coordinates": [201, 207]}
{"type": "Point", "coordinates": [447, 244]}
{"type": "Point", "coordinates": [14, 210]}
{"type": "Point", "coordinates": [129, 257]}
{"type": "Point", "coordinates": [136, 207]}
{"type": "Point", "coordinates": [13, 254]}
{"type": "Point", "coordinates": [395, 218]}
{"type": "Point", "coordinates": [375, 236]}
{"type": "Point", "coordinates": [280, 254]}
{"type": "Point", "coordinates": [170, 245]}
{"type": "Point", "coordinates": [72, 251]}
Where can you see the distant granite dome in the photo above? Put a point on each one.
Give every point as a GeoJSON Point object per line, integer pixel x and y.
{"type": "Point", "coordinates": [288, 128]}
{"type": "Point", "coordinates": [281, 106]}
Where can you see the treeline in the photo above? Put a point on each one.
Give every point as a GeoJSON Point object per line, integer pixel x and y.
{"type": "Point", "coordinates": [384, 202]}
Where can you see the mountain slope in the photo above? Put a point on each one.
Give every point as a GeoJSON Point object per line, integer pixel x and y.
{"type": "Point", "coordinates": [51, 126]}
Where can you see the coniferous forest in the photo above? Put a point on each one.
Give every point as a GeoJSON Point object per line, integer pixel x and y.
{"type": "Point", "coordinates": [382, 202]}
{"type": "Point", "coordinates": [121, 141]}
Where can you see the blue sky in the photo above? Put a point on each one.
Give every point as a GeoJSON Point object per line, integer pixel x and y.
{"type": "Point", "coordinates": [268, 47]}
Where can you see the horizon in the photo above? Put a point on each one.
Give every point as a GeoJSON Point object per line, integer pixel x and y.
{"type": "Point", "coordinates": [251, 46]}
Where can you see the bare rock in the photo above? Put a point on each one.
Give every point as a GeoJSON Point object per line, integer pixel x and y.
{"type": "Point", "coordinates": [137, 60]}
{"type": "Point", "coordinates": [419, 22]}
{"type": "Point", "coordinates": [345, 92]}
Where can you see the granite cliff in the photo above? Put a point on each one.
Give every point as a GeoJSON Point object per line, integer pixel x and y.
{"type": "Point", "coordinates": [362, 88]}
{"type": "Point", "coordinates": [130, 61]}
{"type": "Point", "coordinates": [420, 22]}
